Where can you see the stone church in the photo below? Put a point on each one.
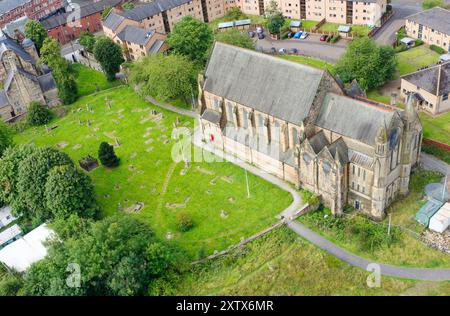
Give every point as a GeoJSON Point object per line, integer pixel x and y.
{"type": "Point", "coordinates": [298, 123]}
{"type": "Point", "coordinates": [22, 79]}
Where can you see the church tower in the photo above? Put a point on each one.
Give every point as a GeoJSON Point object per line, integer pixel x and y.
{"type": "Point", "coordinates": [381, 168]}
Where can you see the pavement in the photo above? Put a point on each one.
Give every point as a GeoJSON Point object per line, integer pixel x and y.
{"type": "Point", "coordinates": [311, 46]}
{"type": "Point", "coordinates": [430, 162]}
{"type": "Point", "coordinates": [402, 9]}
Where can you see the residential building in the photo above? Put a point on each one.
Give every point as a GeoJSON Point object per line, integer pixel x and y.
{"type": "Point", "coordinates": [11, 10]}
{"type": "Point", "coordinates": [22, 79]}
{"type": "Point", "coordinates": [296, 122]}
{"type": "Point", "coordinates": [6, 216]}
{"type": "Point", "coordinates": [138, 42]}
{"type": "Point", "coordinates": [431, 26]}
{"type": "Point", "coordinates": [68, 25]}
{"type": "Point", "coordinates": [430, 88]}
{"type": "Point", "coordinates": [16, 29]}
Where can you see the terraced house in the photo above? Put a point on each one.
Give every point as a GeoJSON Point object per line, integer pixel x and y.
{"type": "Point", "coordinates": [11, 10]}
{"type": "Point", "coordinates": [296, 122]}
{"type": "Point", "coordinates": [431, 26]}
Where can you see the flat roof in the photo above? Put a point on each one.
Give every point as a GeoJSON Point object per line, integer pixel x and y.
{"type": "Point", "coordinates": [344, 28]}
{"type": "Point", "coordinates": [224, 25]}
{"type": "Point", "coordinates": [243, 22]}
{"type": "Point", "coordinates": [9, 234]}
{"type": "Point", "coordinates": [295, 23]}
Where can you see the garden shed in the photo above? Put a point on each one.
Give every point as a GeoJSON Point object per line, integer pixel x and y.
{"type": "Point", "coordinates": [427, 211]}
{"type": "Point", "coordinates": [344, 30]}
{"type": "Point", "coordinates": [295, 26]}
{"type": "Point", "coordinates": [441, 220]}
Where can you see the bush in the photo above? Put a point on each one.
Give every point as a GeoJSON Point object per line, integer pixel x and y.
{"type": "Point", "coordinates": [437, 49]}
{"type": "Point", "coordinates": [418, 42]}
{"type": "Point", "coordinates": [400, 48]}
{"type": "Point", "coordinates": [335, 38]}
{"type": "Point", "coordinates": [6, 139]}
{"type": "Point", "coordinates": [107, 155]}
{"type": "Point", "coordinates": [38, 114]}
{"type": "Point", "coordinates": [184, 222]}
{"type": "Point", "coordinates": [329, 38]}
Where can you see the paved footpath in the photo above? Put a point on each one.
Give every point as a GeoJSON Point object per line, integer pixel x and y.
{"type": "Point", "coordinates": [313, 237]}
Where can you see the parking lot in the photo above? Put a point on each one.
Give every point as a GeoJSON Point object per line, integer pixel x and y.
{"type": "Point", "coordinates": [310, 46]}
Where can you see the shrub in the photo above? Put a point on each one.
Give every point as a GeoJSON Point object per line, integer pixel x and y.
{"type": "Point", "coordinates": [184, 222]}
{"type": "Point", "coordinates": [400, 48]}
{"type": "Point", "coordinates": [437, 49]}
{"type": "Point", "coordinates": [107, 155]}
{"type": "Point", "coordinates": [38, 114]}
{"type": "Point", "coordinates": [418, 42]}
{"type": "Point", "coordinates": [335, 38]}
{"type": "Point", "coordinates": [329, 38]}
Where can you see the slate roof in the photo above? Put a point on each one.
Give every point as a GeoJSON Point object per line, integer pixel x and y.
{"type": "Point", "coordinates": [156, 46]}
{"type": "Point", "coordinates": [9, 44]}
{"type": "Point", "coordinates": [3, 99]}
{"type": "Point", "coordinates": [341, 149]}
{"type": "Point", "coordinates": [435, 79]}
{"type": "Point", "coordinates": [113, 20]}
{"type": "Point", "coordinates": [136, 35]}
{"type": "Point", "coordinates": [144, 11]}
{"type": "Point", "coordinates": [86, 10]}
{"type": "Point", "coordinates": [18, 24]}
{"type": "Point", "coordinates": [8, 5]}
{"type": "Point", "coordinates": [268, 84]}
{"type": "Point", "coordinates": [353, 118]}
{"type": "Point", "coordinates": [211, 116]}
{"type": "Point", "coordinates": [47, 82]}
{"type": "Point", "coordinates": [437, 18]}
{"type": "Point", "coordinates": [318, 142]}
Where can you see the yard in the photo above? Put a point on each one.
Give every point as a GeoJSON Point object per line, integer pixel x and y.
{"type": "Point", "coordinates": [416, 58]}
{"type": "Point", "coordinates": [213, 194]}
{"type": "Point", "coordinates": [356, 30]}
{"type": "Point", "coordinates": [90, 80]}
{"type": "Point", "coordinates": [406, 251]}
{"type": "Point", "coordinates": [436, 128]}
{"type": "Point", "coordinates": [281, 263]}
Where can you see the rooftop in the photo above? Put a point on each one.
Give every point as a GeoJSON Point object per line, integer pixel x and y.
{"type": "Point", "coordinates": [437, 18]}
{"type": "Point", "coordinates": [435, 79]}
{"type": "Point", "coordinates": [157, 6]}
{"type": "Point", "coordinates": [135, 35]}
{"type": "Point", "coordinates": [8, 5]}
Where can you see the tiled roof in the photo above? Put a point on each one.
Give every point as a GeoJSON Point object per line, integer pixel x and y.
{"type": "Point", "coordinates": [135, 35]}
{"type": "Point", "coordinates": [435, 79]}
{"type": "Point", "coordinates": [437, 18]}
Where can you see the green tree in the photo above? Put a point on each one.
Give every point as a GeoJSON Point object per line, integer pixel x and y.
{"type": "Point", "coordinates": [165, 77]}
{"type": "Point", "coordinates": [275, 23]}
{"type": "Point", "coordinates": [71, 227]}
{"type": "Point", "coordinates": [428, 4]}
{"type": "Point", "coordinates": [10, 284]}
{"type": "Point", "coordinates": [69, 191]}
{"type": "Point", "coordinates": [128, 5]}
{"type": "Point", "coordinates": [371, 65]}
{"type": "Point", "coordinates": [50, 53]}
{"type": "Point", "coordinates": [184, 222]}
{"type": "Point", "coordinates": [106, 12]}
{"type": "Point", "coordinates": [9, 169]}
{"type": "Point", "coordinates": [38, 114]}
{"type": "Point", "coordinates": [107, 155]}
{"type": "Point", "coordinates": [235, 13]}
{"type": "Point", "coordinates": [191, 38]}
{"type": "Point", "coordinates": [36, 32]}
{"type": "Point", "coordinates": [87, 39]}
{"type": "Point", "coordinates": [236, 38]}
{"type": "Point", "coordinates": [6, 139]}
{"type": "Point", "coordinates": [118, 256]}
{"type": "Point", "coordinates": [33, 174]}
{"type": "Point", "coordinates": [109, 55]}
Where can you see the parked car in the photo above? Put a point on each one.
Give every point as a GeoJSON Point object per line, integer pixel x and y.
{"type": "Point", "coordinates": [323, 38]}
{"type": "Point", "coordinates": [261, 35]}
{"type": "Point", "coordinates": [259, 30]}
{"type": "Point", "coordinates": [293, 51]}
{"type": "Point", "coordinates": [297, 35]}
{"type": "Point", "coordinates": [282, 50]}
{"type": "Point", "coordinates": [273, 50]}
{"type": "Point", "coordinates": [251, 34]}
{"type": "Point", "coordinates": [304, 35]}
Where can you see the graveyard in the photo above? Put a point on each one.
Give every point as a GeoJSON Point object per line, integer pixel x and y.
{"type": "Point", "coordinates": [149, 184]}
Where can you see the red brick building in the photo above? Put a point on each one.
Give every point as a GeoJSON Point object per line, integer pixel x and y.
{"type": "Point", "coordinates": [11, 10]}
{"type": "Point", "coordinates": [67, 26]}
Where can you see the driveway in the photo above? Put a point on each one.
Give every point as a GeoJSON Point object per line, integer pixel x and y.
{"type": "Point", "coordinates": [430, 162]}
{"type": "Point", "coordinates": [311, 46]}
{"type": "Point", "coordinates": [402, 9]}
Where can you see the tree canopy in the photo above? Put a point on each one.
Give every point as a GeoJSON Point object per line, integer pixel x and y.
{"type": "Point", "coordinates": [107, 155]}
{"type": "Point", "coordinates": [236, 38]}
{"type": "Point", "coordinates": [36, 32]}
{"type": "Point", "coordinates": [109, 55]}
{"type": "Point", "coordinates": [428, 4]}
{"type": "Point", "coordinates": [191, 38]}
{"type": "Point", "coordinates": [5, 137]}
{"type": "Point", "coordinates": [371, 65]}
{"type": "Point", "coordinates": [117, 255]}
{"type": "Point", "coordinates": [165, 77]}
{"type": "Point", "coordinates": [87, 39]}
{"type": "Point", "coordinates": [38, 114]}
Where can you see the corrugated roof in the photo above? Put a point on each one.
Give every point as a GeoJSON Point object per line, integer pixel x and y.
{"type": "Point", "coordinates": [156, 46]}
{"type": "Point", "coordinates": [436, 18]}
{"type": "Point", "coordinates": [353, 118]}
{"type": "Point", "coordinates": [268, 84]}
{"type": "Point", "coordinates": [435, 79]}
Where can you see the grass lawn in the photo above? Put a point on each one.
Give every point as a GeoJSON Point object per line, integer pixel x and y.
{"type": "Point", "coordinates": [314, 62]}
{"type": "Point", "coordinates": [148, 174]}
{"type": "Point", "coordinates": [415, 58]}
{"type": "Point", "coordinates": [356, 30]}
{"type": "Point", "coordinates": [88, 79]}
{"type": "Point", "coordinates": [281, 263]}
{"type": "Point", "coordinates": [307, 24]}
{"type": "Point", "coordinates": [436, 128]}
{"type": "Point", "coordinates": [408, 251]}
{"type": "Point", "coordinates": [375, 95]}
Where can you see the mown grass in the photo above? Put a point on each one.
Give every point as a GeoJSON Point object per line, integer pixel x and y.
{"type": "Point", "coordinates": [407, 250]}
{"type": "Point", "coordinates": [314, 62]}
{"type": "Point", "coordinates": [356, 30]}
{"type": "Point", "coordinates": [416, 58]}
{"type": "Point", "coordinates": [148, 174]}
{"type": "Point", "coordinates": [90, 80]}
{"type": "Point", "coordinates": [437, 127]}
{"type": "Point", "coordinates": [281, 263]}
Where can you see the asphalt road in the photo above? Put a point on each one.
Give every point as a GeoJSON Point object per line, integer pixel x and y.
{"type": "Point", "coordinates": [402, 9]}
{"type": "Point", "coordinates": [310, 46]}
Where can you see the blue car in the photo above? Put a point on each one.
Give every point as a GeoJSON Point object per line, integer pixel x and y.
{"type": "Point", "coordinates": [297, 35]}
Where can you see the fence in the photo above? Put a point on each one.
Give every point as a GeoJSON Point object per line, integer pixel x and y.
{"type": "Point", "coordinates": [436, 143]}
{"type": "Point", "coordinates": [384, 19]}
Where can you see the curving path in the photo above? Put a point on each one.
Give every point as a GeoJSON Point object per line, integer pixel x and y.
{"type": "Point", "coordinates": [313, 237]}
